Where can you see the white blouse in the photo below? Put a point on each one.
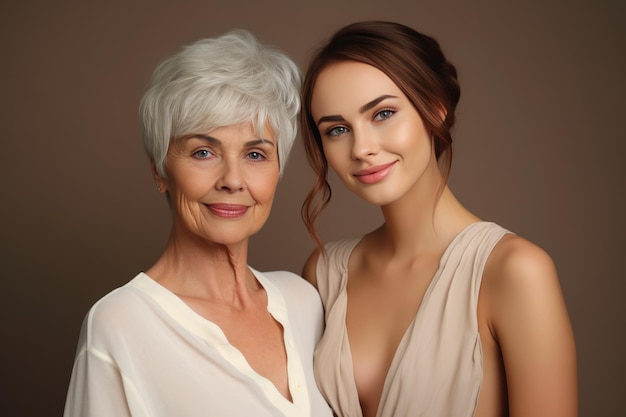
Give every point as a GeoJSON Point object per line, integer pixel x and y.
{"type": "Point", "coordinates": [143, 352]}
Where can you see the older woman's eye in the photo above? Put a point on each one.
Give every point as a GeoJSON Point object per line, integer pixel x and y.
{"type": "Point", "coordinates": [256, 156]}
{"type": "Point", "coordinates": [384, 114]}
{"type": "Point", "coordinates": [202, 154]}
{"type": "Point", "coordinates": [336, 131]}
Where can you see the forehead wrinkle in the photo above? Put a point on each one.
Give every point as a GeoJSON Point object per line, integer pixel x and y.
{"type": "Point", "coordinates": [215, 141]}
{"type": "Point", "coordinates": [207, 138]}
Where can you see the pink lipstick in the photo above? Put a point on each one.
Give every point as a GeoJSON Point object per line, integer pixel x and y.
{"type": "Point", "coordinates": [374, 174]}
{"type": "Point", "coordinates": [228, 211]}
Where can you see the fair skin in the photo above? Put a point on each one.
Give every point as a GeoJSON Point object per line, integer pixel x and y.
{"type": "Point", "coordinates": [221, 186]}
{"type": "Point", "coordinates": [376, 142]}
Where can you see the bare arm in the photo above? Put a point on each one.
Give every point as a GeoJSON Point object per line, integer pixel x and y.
{"type": "Point", "coordinates": [528, 317]}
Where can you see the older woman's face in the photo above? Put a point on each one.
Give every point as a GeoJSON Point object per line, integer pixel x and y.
{"type": "Point", "coordinates": [222, 183]}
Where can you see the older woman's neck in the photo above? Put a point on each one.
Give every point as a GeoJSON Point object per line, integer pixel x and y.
{"type": "Point", "coordinates": [206, 270]}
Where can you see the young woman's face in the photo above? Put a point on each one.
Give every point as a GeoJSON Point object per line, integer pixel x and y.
{"type": "Point", "coordinates": [373, 137]}
{"type": "Point", "coordinates": [221, 184]}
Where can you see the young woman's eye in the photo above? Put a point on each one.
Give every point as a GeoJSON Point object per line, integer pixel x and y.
{"type": "Point", "coordinates": [202, 154]}
{"type": "Point", "coordinates": [336, 131]}
{"type": "Point", "coordinates": [384, 114]}
{"type": "Point", "coordinates": [256, 156]}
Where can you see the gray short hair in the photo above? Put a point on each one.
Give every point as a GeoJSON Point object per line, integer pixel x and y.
{"type": "Point", "coordinates": [219, 82]}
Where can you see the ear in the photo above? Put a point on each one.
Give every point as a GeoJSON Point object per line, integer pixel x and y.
{"type": "Point", "coordinates": [159, 182]}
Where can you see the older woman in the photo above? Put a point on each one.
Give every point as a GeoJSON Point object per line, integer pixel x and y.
{"type": "Point", "coordinates": [200, 332]}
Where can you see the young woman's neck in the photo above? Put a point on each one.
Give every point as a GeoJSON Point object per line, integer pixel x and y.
{"type": "Point", "coordinates": [425, 220]}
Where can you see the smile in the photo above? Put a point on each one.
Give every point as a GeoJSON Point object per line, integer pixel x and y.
{"type": "Point", "coordinates": [228, 211]}
{"type": "Point", "coordinates": [374, 174]}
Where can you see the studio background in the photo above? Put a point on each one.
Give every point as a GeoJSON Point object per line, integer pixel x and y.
{"type": "Point", "coordinates": [539, 149]}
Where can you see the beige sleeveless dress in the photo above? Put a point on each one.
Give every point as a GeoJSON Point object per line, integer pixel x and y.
{"type": "Point", "coordinates": [437, 368]}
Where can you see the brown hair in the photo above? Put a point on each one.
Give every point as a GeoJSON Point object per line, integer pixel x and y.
{"type": "Point", "coordinates": [413, 61]}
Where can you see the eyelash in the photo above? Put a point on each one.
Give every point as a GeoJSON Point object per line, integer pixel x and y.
{"type": "Point", "coordinates": [333, 130]}
{"type": "Point", "coordinates": [390, 111]}
{"type": "Point", "coordinates": [206, 154]}
{"type": "Point", "coordinates": [260, 156]}
{"type": "Point", "coordinates": [197, 153]}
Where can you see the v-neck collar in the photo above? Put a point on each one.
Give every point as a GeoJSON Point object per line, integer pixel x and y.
{"type": "Point", "coordinates": [412, 325]}
{"type": "Point", "coordinates": [214, 338]}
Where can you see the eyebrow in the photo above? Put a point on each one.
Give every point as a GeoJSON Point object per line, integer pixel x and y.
{"type": "Point", "coordinates": [367, 106]}
{"type": "Point", "coordinates": [251, 143]}
{"type": "Point", "coordinates": [259, 142]}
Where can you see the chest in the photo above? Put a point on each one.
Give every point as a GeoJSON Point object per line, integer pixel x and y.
{"type": "Point", "coordinates": [380, 310]}
{"type": "Point", "coordinates": [258, 337]}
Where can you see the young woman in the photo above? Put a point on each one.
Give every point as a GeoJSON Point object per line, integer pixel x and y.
{"type": "Point", "coordinates": [434, 313]}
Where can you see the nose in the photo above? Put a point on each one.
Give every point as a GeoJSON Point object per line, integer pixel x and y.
{"type": "Point", "coordinates": [230, 179]}
{"type": "Point", "coordinates": [364, 144]}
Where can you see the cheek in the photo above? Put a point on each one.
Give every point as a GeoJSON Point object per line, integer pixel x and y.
{"type": "Point", "coordinates": [190, 185]}
{"type": "Point", "coordinates": [412, 139]}
{"type": "Point", "coordinates": [262, 186]}
{"type": "Point", "coordinates": [266, 192]}
{"type": "Point", "coordinates": [336, 155]}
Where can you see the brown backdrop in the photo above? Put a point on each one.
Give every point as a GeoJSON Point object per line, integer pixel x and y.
{"type": "Point", "coordinates": [539, 146]}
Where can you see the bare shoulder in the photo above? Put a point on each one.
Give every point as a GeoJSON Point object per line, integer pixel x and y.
{"type": "Point", "coordinates": [309, 271]}
{"type": "Point", "coordinates": [527, 315]}
{"type": "Point", "coordinates": [520, 283]}
{"type": "Point", "coordinates": [516, 261]}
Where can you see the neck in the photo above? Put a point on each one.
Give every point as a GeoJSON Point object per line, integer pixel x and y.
{"type": "Point", "coordinates": [193, 267]}
{"type": "Point", "coordinates": [425, 220]}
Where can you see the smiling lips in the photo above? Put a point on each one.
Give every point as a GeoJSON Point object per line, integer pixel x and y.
{"type": "Point", "coordinates": [228, 211]}
{"type": "Point", "coordinates": [374, 174]}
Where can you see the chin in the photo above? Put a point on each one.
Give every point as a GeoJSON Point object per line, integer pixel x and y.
{"type": "Point", "coordinates": [229, 240]}
{"type": "Point", "coordinates": [376, 198]}
{"type": "Point", "coordinates": [226, 237]}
